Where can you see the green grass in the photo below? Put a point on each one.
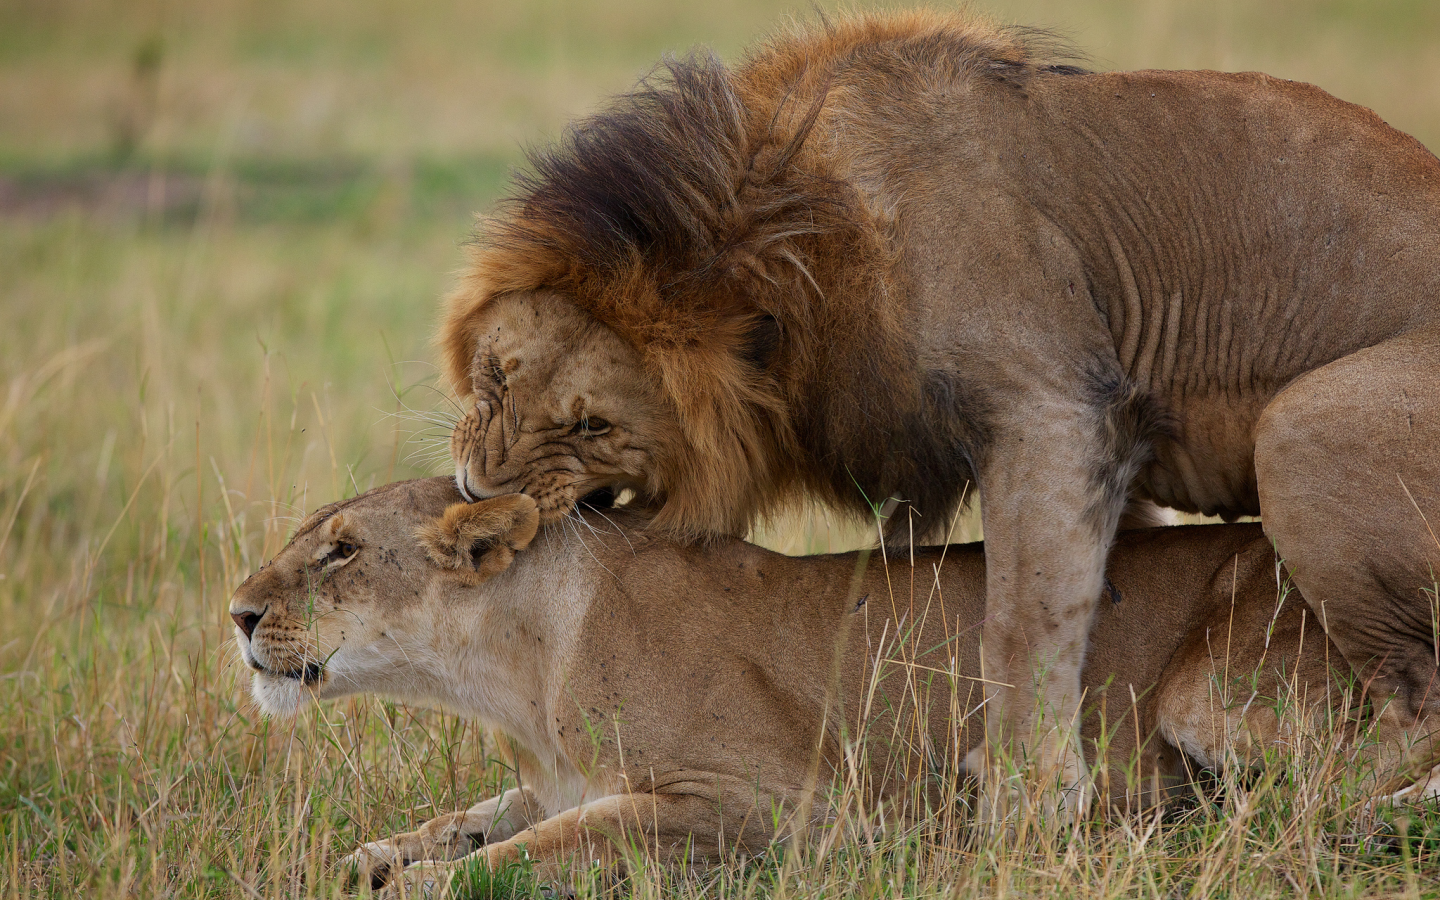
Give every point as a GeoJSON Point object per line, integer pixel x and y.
{"type": "Point", "coordinates": [224, 228]}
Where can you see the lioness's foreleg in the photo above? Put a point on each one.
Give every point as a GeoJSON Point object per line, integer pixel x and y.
{"type": "Point", "coordinates": [1347, 460]}
{"type": "Point", "coordinates": [703, 825]}
{"type": "Point", "coordinates": [446, 837]}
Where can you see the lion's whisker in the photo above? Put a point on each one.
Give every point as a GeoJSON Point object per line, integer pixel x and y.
{"type": "Point", "coordinates": [575, 516]}
{"type": "Point", "coordinates": [423, 385]}
{"type": "Point", "coordinates": [567, 518]}
{"type": "Point", "coordinates": [618, 530]}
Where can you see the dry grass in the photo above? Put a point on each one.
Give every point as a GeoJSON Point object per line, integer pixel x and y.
{"type": "Point", "coordinates": [223, 227]}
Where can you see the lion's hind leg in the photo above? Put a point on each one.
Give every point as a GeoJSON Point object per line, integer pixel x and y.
{"type": "Point", "coordinates": [446, 837]}
{"type": "Point", "coordinates": [1347, 461]}
{"type": "Point", "coordinates": [1256, 678]}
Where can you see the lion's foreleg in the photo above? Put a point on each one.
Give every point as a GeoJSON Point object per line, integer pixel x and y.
{"type": "Point", "coordinates": [446, 837]}
{"type": "Point", "coordinates": [1050, 506]}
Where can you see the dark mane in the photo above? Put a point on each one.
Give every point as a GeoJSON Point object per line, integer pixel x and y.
{"type": "Point", "coordinates": [652, 175]}
{"type": "Point", "coordinates": [661, 173]}
{"type": "Point", "coordinates": [677, 178]}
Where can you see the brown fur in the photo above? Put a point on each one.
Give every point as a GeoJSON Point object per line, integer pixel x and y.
{"type": "Point", "coordinates": [689, 694]}
{"type": "Point", "coordinates": [892, 255]}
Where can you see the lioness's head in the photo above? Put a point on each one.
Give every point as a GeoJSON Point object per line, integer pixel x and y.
{"type": "Point", "coordinates": [361, 596]}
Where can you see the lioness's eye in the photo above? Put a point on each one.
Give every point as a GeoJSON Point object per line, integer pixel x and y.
{"type": "Point", "coordinates": [341, 552]}
{"type": "Point", "coordinates": [590, 427]}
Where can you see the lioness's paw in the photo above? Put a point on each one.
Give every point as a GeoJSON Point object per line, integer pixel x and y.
{"type": "Point", "coordinates": [1422, 789]}
{"type": "Point", "coordinates": [372, 864]}
{"type": "Point", "coordinates": [427, 880]}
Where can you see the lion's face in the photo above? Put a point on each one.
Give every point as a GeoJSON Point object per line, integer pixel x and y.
{"type": "Point", "coordinates": [563, 410]}
{"type": "Point", "coordinates": [345, 607]}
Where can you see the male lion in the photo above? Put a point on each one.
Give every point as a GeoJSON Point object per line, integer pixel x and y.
{"type": "Point", "coordinates": [895, 254]}
{"type": "Point", "coordinates": [698, 727]}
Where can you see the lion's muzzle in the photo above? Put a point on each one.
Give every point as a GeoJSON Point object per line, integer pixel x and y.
{"type": "Point", "coordinates": [494, 456]}
{"type": "Point", "coordinates": [481, 450]}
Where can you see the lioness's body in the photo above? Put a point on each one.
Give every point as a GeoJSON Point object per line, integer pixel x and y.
{"type": "Point", "coordinates": [708, 721]}
{"type": "Point", "coordinates": [898, 255]}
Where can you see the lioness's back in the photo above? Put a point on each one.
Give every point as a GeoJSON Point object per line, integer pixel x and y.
{"type": "Point", "coordinates": [812, 648]}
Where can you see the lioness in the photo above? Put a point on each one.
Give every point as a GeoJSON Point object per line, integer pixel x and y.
{"type": "Point", "coordinates": [685, 696]}
{"type": "Point", "coordinates": [892, 255]}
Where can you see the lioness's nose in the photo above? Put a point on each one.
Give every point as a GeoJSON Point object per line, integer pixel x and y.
{"type": "Point", "coordinates": [247, 621]}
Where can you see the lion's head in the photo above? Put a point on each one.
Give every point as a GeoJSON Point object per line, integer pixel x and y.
{"type": "Point", "coordinates": [691, 297]}
{"type": "Point", "coordinates": [338, 611]}
{"type": "Point", "coordinates": [563, 409]}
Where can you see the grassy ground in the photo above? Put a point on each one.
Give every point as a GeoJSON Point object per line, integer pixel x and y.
{"type": "Point", "coordinates": [223, 230]}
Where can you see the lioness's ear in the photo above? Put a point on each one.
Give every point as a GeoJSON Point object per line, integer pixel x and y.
{"type": "Point", "coordinates": [479, 540]}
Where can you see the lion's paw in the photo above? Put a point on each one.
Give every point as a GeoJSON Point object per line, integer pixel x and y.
{"type": "Point", "coordinates": [1421, 790]}
{"type": "Point", "coordinates": [1057, 794]}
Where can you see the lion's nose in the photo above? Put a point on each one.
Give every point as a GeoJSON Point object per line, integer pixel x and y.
{"type": "Point", "coordinates": [247, 621]}
{"type": "Point", "coordinates": [474, 492]}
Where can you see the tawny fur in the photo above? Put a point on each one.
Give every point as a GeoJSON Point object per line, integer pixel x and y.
{"type": "Point", "coordinates": [688, 699]}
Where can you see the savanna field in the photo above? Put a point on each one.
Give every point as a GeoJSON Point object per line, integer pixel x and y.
{"type": "Point", "coordinates": [224, 232]}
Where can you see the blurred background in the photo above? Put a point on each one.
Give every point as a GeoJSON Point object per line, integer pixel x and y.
{"type": "Point", "coordinates": [224, 230]}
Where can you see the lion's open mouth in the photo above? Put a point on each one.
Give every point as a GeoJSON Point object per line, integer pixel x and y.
{"type": "Point", "coordinates": [602, 498]}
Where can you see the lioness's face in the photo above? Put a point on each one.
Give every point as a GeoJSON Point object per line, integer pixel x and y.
{"type": "Point", "coordinates": [563, 410]}
{"type": "Point", "coordinates": [345, 605]}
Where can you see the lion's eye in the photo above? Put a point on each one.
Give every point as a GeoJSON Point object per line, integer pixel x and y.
{"type": "Point", "coordinates": [590, 427]}
{"type": "Point", "coordinates": [488, 372]}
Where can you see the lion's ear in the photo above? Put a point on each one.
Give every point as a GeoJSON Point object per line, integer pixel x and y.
{"type": "Point", "coordinates": [479, 540]}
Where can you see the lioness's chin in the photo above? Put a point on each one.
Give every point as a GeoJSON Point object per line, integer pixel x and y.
{"type": "Point", "coordinates": [282, 696]}
{"type": "Point", "coordinates": [278, 696]}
